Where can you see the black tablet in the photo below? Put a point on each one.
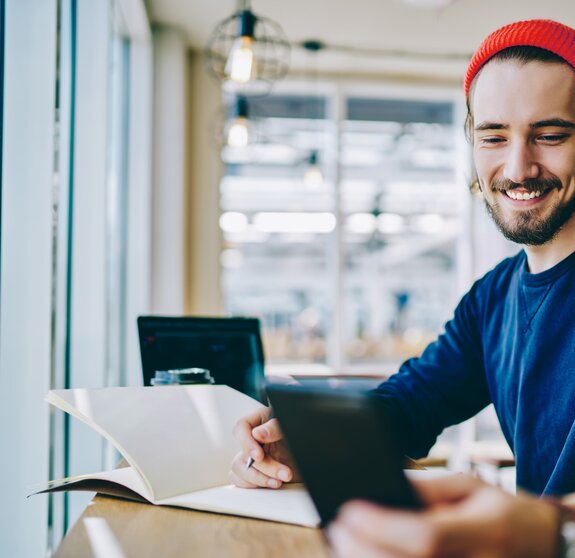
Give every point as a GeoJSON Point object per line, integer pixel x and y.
{"type": "Point", "coordinates": [343, 446]}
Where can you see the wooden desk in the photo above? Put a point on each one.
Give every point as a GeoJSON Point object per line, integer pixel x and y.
{"type": "Point", "coordinates": [113, 528]}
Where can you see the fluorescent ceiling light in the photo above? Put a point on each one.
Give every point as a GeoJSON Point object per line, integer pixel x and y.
{"type": "Point", "coordinates": [262, 154]}
{"type": "Point", "coordinates": [429, 224]}
{"type": "Point", "coordinates": [233, 221]}
{"type": "Point", "coordinates": [361, 223]}
{"type": "Point", "coordinates": [390, 223]}
{"type": "Point", "coordinates": [294, 222]}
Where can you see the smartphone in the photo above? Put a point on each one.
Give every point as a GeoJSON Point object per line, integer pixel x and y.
{"type": "Point", "coordinates": [343, 446]}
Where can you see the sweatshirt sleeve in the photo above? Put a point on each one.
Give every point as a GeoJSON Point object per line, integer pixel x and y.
{"type": "Point", "coordinates": [444, 386]}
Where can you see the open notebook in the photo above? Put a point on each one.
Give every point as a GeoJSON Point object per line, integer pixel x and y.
{"type": "Point", "coordinates": [178, 443]}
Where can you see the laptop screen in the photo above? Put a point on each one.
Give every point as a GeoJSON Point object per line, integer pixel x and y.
{"type": "Point", "coordinates": [230, 348]}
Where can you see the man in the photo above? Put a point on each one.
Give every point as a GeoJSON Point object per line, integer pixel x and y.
{"type": "Point", "coordinates": [511, 341]}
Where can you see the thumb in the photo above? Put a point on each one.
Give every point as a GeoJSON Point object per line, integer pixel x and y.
{"type": "Point", "coordinates": [268, 432]}
{"type": "Point", "coordinates": [450, 488]}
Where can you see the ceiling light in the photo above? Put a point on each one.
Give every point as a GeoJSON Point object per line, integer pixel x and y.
{"type": "Point", "coordinates": [430, 223]}
{"type": "Point", "coordinates": [390, 223]}
{"type": "Point", "coordinates": [237, 130]}
{"type": "Point", "coordinates": [313, 177]}
{"type": "Point", "coordinates": [279, 222]}
{"type": "Point", "coordinates": [233, 221]}
{"type": "Point", "coordinates": [361, 223]}
{"type": "Point", "coordinates": [247, 52]}
{"type": "Point", "coordinates": [241, 66]}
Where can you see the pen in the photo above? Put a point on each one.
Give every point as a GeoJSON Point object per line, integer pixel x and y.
{"type": "Point", "coordinates": [251, 460]}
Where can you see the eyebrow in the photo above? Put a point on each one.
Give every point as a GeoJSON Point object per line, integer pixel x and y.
{"type": "Point", "coordinates": [550, 122]}
{"type": "Point", "coordinates": [553, 123]}
{"type": "Point", "coordinates": [490, 126]}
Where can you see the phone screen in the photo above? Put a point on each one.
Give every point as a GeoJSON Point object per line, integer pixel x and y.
{"type": "Point", "coordinates": [344, 447]}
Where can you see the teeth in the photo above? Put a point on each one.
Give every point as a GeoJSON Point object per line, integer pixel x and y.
{"type": "Point", "coordinates": [522, 195]}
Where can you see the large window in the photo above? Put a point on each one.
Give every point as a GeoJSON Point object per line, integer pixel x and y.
{"type": "Point", "coordinates": [76, 128]}
{"type": "Point", "coordinates": [358, 270]}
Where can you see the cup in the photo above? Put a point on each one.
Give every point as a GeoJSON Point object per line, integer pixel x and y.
{"type": "Point", "coordinates": [182, 376]}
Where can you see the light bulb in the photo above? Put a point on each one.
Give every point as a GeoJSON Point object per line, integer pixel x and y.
{"type": "Point", "coordinates": [313, 177]}
{"type": "Point", "coordinates": [241, 64]}
{"type": "Point", "coordinates": [238, 133]}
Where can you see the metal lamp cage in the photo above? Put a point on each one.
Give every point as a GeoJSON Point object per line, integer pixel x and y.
{"type": "Point", "coordinates": [270, 46]}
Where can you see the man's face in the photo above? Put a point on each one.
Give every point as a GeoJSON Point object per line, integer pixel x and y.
{"type": "Point", "coordinates": [523, 134]}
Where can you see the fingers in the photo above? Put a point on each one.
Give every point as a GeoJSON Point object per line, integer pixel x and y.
{"type": "Point", "coordinates": [446, 489]}
{"type": "Point", "coordinates": [253, 477]}
{"type": "Point", "coordinates": [243, 432]}
{"type": "Point", "coordinates": [268, 432]}
{"type": "Point", "coordinates": [346, 544]}
{"type": "Point", "coordinates": [253, 432]}
{"type": "Point", "coordinates": [461, 516]}
{"type": "Point", "coordinates": [274, 469]}
{"type": "Point", "coordinates": [397, 532]}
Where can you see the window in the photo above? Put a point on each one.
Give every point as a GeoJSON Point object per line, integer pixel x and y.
{"type": "Point", "coordinates": [70, 241]}
{"type": "Point", "coordinates": [339, 270]}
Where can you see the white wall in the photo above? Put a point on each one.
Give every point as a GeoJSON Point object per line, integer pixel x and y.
{"type": "Point", "coordinates": [169, 162]}
{"type": "Point", "coordinates": [26, 266]}
{"type": "Point", "coordinates": [139, 270]}
{"type": "Point", "coordinates": [205, 169]}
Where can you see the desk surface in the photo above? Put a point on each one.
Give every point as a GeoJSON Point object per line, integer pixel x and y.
{"type": "Point", "coordinates": [114, 528]}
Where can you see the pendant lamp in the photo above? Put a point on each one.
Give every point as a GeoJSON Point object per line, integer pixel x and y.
{"type": "Point", "coordinates": [247, 53]}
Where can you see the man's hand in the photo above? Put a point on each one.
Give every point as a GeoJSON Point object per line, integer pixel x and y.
{"type": "Point", "coordinates": [464, 518]}
{"type": "Point", "coordinates": [261, 439]}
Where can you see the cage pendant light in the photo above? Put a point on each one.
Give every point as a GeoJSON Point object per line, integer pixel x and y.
{"type": "Point", "coordinates": [247, 53]}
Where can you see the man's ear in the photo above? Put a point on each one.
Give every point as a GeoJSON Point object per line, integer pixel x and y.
{"type": "Point", "coordinates": [475, 185]}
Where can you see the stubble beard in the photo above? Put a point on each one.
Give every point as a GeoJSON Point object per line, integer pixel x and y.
{"type": "Point", "coordinates": [529, 227]}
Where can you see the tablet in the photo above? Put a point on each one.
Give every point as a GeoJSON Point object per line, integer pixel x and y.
{"type": "Point", "coordinates": [344, 447]}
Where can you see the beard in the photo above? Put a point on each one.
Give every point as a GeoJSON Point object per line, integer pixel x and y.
{"type": "Point", "coordinates": [528, 226]}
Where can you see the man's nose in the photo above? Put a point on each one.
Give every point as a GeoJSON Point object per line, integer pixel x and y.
{"type": "Point", "coordinates": [520, 164]}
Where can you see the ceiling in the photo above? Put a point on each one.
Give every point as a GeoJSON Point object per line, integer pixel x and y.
{"type": "Point", "coordinates": [375, 24]}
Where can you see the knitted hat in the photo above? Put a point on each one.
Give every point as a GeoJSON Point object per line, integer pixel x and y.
{"type": "Point", "coordinates": [542, 33]}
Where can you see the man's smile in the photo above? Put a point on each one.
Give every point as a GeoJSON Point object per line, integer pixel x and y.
{"type": "Point", "coordinates": [525, 195]}
{"type": "Point", "coordinates": [519, 197]}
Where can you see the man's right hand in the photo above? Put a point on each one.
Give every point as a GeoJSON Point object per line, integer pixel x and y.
{"type": "Point", "coordinates": [261, 439]}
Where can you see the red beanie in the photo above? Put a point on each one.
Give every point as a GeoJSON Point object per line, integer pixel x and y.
{"type": "Point", "coordinates": [542, 33]}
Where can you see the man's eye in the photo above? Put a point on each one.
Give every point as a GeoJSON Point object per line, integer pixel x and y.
{"type": "Point", "coordinates": [553, 138]}
{"type": "Point", "coordinates": [492, 140]}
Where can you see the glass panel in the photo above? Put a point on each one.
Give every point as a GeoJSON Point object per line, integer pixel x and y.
{"type": "Point", "coordinates": [28, 52]}
{"type": "Point", "coordinates": [401, 221]}
{"type": "Point", "coordinates": [1, 107]}
{"type": "Point", "coordinates": [278, 228]}
{"type": "Point", "coordinates": [117, 210]}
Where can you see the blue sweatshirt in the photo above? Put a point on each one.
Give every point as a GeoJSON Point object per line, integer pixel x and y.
{"type": "Point", "coordinates": [511, 342]}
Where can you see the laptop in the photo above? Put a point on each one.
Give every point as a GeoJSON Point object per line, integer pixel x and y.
{"type": "Point", "coordinates": [230, 348]}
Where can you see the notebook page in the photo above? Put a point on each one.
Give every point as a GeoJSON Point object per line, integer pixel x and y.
{"type": "Point", "coordinates": [179, 438]}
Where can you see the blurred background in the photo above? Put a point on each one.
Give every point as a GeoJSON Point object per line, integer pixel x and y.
{"type": "Point", "coordinates": [318, 181]}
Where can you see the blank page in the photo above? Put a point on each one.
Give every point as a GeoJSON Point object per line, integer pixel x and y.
{"type": "Point", "coordinates": [179, 438]}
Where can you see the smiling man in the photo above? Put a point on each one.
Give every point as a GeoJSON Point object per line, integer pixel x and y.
{"type": "Point", "coordinates": [522, 123]}
{"type": "Point", "coordinates": [511, 341]}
